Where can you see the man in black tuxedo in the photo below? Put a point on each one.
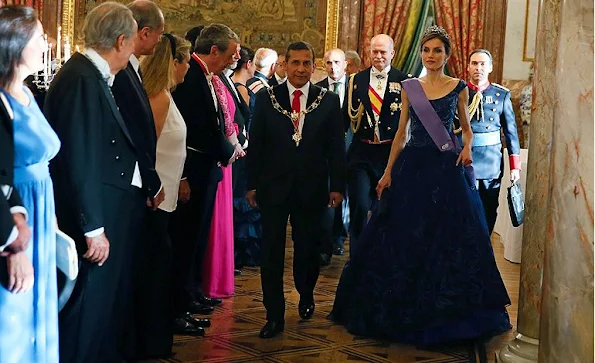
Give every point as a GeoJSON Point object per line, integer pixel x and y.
{"type": "Point", "coordinates": [14, 231]}
{"type": "Point", "coordinates": [216, 48]}
{"type": "Point", "coordinates": [150, 321]}
{"type": "Point", "coordinates": [96, 188]}
{"type": "Point", "coordinates": [373, 113]}
{"type": "Point", "coordinates": [280, 75]}
{"type": "Point", "coordinates": [296, 146]}
{"type": "Point", "coordinates": [334, 230]}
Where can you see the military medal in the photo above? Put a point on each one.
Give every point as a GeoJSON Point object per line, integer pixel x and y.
{"type": "Point", "coordinates": [489, 99]}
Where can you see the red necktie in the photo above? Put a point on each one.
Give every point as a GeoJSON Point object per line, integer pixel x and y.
{"type": "Point", "coordinates": [296, 107]}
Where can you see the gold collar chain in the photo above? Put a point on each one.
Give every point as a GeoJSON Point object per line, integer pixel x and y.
{"type": "Point", "coordinates": [294, 116]}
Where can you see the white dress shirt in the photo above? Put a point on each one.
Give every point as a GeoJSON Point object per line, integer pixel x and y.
{"type": "Point", "coordinates": [303, 99]}
{"type": "Point", "coordinates": [279, 79]}
{"type": "Point", "coordinates": [104, 68]}
{"type": "Point", "coordinates": [378, 81]}
{"type": "Point", "coordinates": [331, 86]}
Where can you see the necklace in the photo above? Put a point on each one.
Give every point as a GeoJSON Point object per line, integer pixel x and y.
{"type": "Point", "coordinates": [295, 116]}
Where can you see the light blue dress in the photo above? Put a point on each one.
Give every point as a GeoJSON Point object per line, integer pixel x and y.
{"type": "Point", "coordinates": [29, 321]}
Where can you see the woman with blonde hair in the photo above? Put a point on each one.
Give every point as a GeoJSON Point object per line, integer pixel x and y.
{"type": "Point", "coordinates": [162, 71]}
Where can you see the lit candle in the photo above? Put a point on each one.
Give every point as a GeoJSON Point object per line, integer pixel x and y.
{"type": "Point", "coordinates": [45, 58]}
{"type": "Point", "coordinates": [66, 49]}
{"type": "Point", "coordinates": [59, 45]}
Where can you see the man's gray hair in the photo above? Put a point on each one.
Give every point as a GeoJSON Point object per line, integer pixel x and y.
{"type": "Point", "coordinates": [215, 34]}
{"type": "Point", "coordinates": [105, 23]}
{"type": "Point", "coordinates": [146, 13]}
{"type": "Point", "coordinates": [264, 58]}
{"type": "Point", "coordinates": [352, 54]}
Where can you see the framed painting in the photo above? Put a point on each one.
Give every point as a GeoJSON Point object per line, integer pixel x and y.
{"type": "Point", "coordinates": [258, 23]}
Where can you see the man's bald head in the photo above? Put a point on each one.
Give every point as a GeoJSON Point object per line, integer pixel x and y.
{"type": "Point", "coordinates": [382, 51]}
{"type": "Point", "coordinates": [335, 64]}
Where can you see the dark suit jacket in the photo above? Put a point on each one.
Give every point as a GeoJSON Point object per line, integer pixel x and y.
{"type": "Point", "coordinates": [278, 170]}
{"type": "Point", "coordinates": [242, 114]}
{"type": "Point", "coordinates": [135, 108]}
{"type": "Point", "coordinates": [204, 123]}
{"type": "Point", "coordinates": [6, 174]}
{"type": "Point", "coordinates": [389, 119]}
{"type": "Point", "coordinates": [96, 161]}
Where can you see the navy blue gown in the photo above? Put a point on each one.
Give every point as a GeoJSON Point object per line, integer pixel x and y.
{"type": "Point", "coordinates": [425, 272]}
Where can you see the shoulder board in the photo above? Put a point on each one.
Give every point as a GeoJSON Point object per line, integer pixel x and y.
{"type": "Point", "coordinates": [500, 86]}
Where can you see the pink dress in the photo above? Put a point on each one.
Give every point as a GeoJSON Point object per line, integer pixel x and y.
{"type": "Point", "coordinates": [218, 276]}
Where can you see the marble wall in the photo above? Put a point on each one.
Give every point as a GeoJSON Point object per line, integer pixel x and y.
{"type": "Point", "coordinates": [520, 38]}
{"type": "Point", "coordinates": [566, 333]}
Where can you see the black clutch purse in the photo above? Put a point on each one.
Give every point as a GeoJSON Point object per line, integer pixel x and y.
{"type": "Point", "coordinates": [516, 204]}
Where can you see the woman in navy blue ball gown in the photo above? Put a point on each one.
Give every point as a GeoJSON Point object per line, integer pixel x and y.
{"type": "Point", "coordinates": [425, 272]}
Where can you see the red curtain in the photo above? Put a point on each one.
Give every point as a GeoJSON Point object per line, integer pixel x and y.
{"type": "Point", "coordinates": [36, 4]}
{"type": "Point", "coordinates": [382, 17]}
{"type": "Point", "coordinates": [463, 20]}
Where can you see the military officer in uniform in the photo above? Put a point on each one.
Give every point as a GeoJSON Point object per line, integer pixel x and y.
{"type": "Point", "coordinates": [373, 111]}
{"type": "Point", "coordinates": [490, 110]}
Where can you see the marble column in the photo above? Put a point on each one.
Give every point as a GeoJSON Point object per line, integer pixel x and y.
{"type": "Point", "coordinates": [555, 318]}
{"type": "Point", "coordinates": [567, 293]}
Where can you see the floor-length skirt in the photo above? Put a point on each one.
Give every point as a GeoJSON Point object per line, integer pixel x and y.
{"type": "Point", "coordinates": [29, 321]}
{"type": "Point", "coordinates": [218, 276]}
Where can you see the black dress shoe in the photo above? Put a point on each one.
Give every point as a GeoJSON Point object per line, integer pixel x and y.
{"type": "Point", "coordinates": [182, 327]}
{"type": "Point", "coordinates": [271, 329]}
{"type": "Point", "coordinates": [306, 310]}
{"type": "Point", "coordinates": [237, 272]}
{"type": "Point", "coordinates": [197, 308]}
{"type": "Point", "coordinates": [339, 251]}
{"type": "Point", "coordinates": [201, 323]}
{"type": "Point", "coordinates": [325, 259]}
{"type": "Point", "coordinates": [210, 302]}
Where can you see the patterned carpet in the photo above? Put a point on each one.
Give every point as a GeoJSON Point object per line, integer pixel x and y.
{"type": "Point", "coordinates": [234, 334]}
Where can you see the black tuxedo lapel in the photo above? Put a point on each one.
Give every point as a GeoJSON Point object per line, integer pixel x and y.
{"type": "Point", "coordinates": [139, 86]}
{"type": "Point", "coordinates": [112, 104]}
{"type": "Point", "coordinates": [106, 91]}
{"type": "Point", "coordinates": [313, 92]}
{"type": "Point", "coordinates": [282, 96]}
{"type": "Point", "coordinates": [202, 80]}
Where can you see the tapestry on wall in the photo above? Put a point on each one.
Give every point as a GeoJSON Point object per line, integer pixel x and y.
{"type": "Point", "coordinates": [258, 23]}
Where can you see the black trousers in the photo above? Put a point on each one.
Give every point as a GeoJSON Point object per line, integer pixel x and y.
{"type": "Point", "coordinates": [305, 224]}
{"type": "Point", "coordinates": [366, 164]}
{"type": "Point", "coordinates": [153, 306]}
{"type": "Point", "coordinates": [189, 229]}
{"type": "Point", "coordinates": [489, 191]}
{"type": "Point", "coordinates": [92, 323]}
{"type": "Point", "coordinates": [333, 230]}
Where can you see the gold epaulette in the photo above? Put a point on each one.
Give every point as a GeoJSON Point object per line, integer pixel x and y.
{"type": "Point", "coordinates": [500, 86]}
{"type": "Point", "coordinates": [354, 114]}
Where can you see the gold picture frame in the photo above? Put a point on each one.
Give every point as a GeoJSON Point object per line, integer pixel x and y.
{"type": "Point", "coordinates": [530, 30]}
{"type": "Point", "coordinates": [67, 19]}
{"type": "Point", "coordinates": [332, 25]}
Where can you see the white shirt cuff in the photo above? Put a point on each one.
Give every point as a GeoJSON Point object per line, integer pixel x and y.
{"type": "Point", "coordinates": [11, 238]}
{"type": "Point", "coordinates": [19, 209]}
{"type": "Point", "coordinates": [95, 232]}
{"type": "Point", "coordinates": [159, 191]}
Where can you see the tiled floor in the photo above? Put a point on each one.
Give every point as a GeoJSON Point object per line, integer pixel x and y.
{"type": "Point", "coordinates": [234, 334]}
